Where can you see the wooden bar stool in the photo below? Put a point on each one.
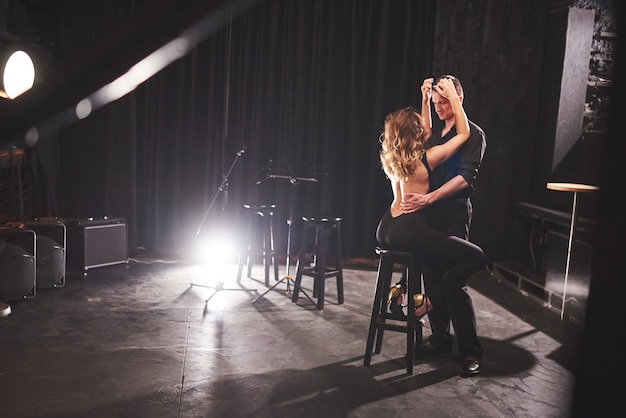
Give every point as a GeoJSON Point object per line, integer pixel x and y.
{"type": "Point", "coordinates": [260, 225]}
{"type": "Point", "coordinates": [320, 231]}
{"type": "Point", "coordinates": [382, 319]}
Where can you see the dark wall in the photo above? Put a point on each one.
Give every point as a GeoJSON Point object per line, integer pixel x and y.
{"type": "Point", "coordinates": [596, 392]}
{"type": "Point", "coordinates": [498, 48]}
{"type": "Point", "coordinates": [309, 81]}
{"type": "Point", "coordinates": [510, 57]}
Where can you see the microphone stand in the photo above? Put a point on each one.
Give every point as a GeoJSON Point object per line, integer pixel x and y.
{"type": "Point", "coordinates": [295, 181]}
{"type": "Point", "coordinates": [223, 188]}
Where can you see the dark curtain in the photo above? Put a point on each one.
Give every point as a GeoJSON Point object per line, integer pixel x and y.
{"type": "Point", "coordinates": [306, 82]}
{"type": "Point", "coordinates": [496, 49]}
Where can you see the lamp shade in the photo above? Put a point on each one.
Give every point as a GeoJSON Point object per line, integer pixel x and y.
{"type": "Point", "coordinates": [18, 73]}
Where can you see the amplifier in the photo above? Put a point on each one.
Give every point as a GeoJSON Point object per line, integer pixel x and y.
{"type": "Point", "coordinates": [96, 242]}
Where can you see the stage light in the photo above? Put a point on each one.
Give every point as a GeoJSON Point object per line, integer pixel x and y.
{"type": "Point", "coordinates": [215, 249]}
{"type": "Point", "coordinates": [18, 72]}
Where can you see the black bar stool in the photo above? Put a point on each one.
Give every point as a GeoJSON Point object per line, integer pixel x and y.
{"type": "Point", "coordinates": [319, 229]}
{"type": "Point", "coordinates": [260, 225]}
{"type": "Point", "coordinates": [382, 319]}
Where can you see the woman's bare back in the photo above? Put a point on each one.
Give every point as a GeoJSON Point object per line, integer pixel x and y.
{"type": "Point", "coordinates": [417, 183]}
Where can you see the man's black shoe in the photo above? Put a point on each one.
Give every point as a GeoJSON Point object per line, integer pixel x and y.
{"type": "Point", "coordinates": [429, 349]}
{"type": "Point", "coordinates": [471, 367]}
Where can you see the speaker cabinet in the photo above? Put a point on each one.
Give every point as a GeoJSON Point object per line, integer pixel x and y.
{"type": "Point", "coordinates": [51, 237]}
{"type": "Point", "coordinates": [96, 242]}
{"type": "Point", "coordinates": [18, 274]}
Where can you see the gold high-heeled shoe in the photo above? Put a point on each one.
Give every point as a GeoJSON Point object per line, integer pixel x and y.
{"type": "Point", "coordinates": [422, 305]}
{"type": "Point", "coordinates": [392, 299]}
{"type": "Point", "coordinates": [394, 292]}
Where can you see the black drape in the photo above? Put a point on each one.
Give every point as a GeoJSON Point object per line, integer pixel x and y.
{"type": "Point", "coordinates": [299, 81]}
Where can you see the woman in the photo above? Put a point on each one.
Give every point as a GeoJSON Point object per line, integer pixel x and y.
{"type": "Point", "coordinates": [407, 161]}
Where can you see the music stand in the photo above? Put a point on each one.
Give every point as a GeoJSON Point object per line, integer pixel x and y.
{"type": "Point", "coordinates": [296, 172]}
{"type": "Point", "coordinates": [223, 188]}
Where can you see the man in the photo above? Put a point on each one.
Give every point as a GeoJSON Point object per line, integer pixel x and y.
{"type": "Point", "coordinates": [451, 186]}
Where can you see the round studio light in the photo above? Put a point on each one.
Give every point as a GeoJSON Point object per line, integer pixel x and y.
{"type": "Point", "coordinates": [18, 75]}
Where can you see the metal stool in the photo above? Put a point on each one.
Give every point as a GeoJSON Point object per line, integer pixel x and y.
{"type": "Point", "coordinates": [382, 319]}
{"type": "Point", "coordinates": [265, 249]}
{"type": "Point", "coordinates": [319, 269]}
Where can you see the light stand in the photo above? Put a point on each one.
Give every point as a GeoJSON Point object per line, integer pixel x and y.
{"type": "Point", "coordinates": [223, 188]}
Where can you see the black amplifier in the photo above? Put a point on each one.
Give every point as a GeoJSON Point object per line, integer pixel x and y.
{"type": "Point", "coordinates": [96, 242]}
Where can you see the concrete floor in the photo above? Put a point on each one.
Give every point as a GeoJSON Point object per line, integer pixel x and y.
{"type": "Point", "coordinates": [139, 340]}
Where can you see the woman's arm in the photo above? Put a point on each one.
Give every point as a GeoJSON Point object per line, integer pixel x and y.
{"type": "Point", "coordinates": [426, 88]}
{"type": "Point", "coordinates": [440, 153]}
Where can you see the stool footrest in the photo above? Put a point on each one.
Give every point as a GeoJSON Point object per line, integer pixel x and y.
{"type": "Point", "coordinates": [392, 327]}
{"type": "Point", "coordinates": [312, 272]}
{"type": "Point", "coordinates": [392, 317]}
{"type": "Point", "coordinates": [259, 253]}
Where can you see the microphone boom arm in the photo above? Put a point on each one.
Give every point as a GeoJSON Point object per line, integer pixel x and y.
{"type": "Point", "coordinates": [222, 187]}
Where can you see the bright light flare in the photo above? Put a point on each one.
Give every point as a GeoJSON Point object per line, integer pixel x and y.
{"type": "Point", "coordinates": [18, 75]}
{"type": "Point", "coordinates": [141, 72]}
{"type": "Point", "coordinates": [215, 249]}
{"type": "Point", "coordinates": [83, 109]}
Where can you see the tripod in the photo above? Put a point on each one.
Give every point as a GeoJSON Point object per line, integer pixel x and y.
{"type": "Point", "coordinates": [223, 188]}
{"type": "Point", "coordinates": [276, 172]}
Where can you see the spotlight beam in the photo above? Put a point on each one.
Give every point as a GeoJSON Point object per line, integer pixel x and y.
{"type": "Point", "coordinates": [53, 103]}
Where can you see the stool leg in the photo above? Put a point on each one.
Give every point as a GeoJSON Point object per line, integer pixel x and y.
{"type": "Point", "coordinates": [272, 247]}
{"type": "Point", "coordinates": [300, 265]}
{"type": "Point", "coordinates": [339, 265]}
{"type": "Point", "coordinates": [266, 249]}
{"type": "Point", "coordinates": [382, 313]}
{"type": "Point", "coordinates": [385, 271]}
{"type": "Point", "coordinates": [240, 266]}
{"type": "Point", "coordinates": [252, 245]}
{"type": "Point", "coordinates": [320, 266]}
{"type": "Point", "coordinates": [244, 254]}
{"type": "Point", "coordinates": [316, 249]}
{"type": "Point", "coordinates": [410, 321]}
{"type": "Point", "coordinates": [419, 338]}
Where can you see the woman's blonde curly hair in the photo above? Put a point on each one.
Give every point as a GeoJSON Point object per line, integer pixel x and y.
{"type": "Point", "coordinates": [403, 143]}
